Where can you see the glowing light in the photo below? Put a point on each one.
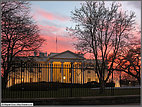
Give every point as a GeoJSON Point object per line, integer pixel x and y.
{"type": "Point", "coordinates": [22, 79]}
{"type": "Point", "coordinates": [117, 84]}
{"type": "Point", "coordinates": [64, 77]}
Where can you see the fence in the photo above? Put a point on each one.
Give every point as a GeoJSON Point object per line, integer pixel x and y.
{"type": "Point", "coordinates": [23, 73]}
{"type": "Point", "coordinates": [36, 80]}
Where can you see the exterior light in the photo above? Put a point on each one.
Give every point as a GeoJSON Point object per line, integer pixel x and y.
{"type": "Point", "coordinates": [22, 79]}
{"type": "Point", "coordinates": [64, 77]}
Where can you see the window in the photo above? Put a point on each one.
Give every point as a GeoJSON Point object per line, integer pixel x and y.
{"type": "Point", "coordinates": [31, 79]}
{"type": "Point", "coordinates": [23, 69]}
{"type": "Point", "coordinates": [89, 72]}
{"type": "Point", "coordinates": [31, 69]}
{"type": "Point", "coordinates": [39, 79]}
{"type": "Point", "coordinates": [40, 70]}
{"type": "Point", "coordinates": [89, 79]}
{"type": "Point", "coordinates": [70, 79]}
{"type": "Point", "coordinates": [13, 81]}
{"type": "Point", "coordinates": [70, 70]}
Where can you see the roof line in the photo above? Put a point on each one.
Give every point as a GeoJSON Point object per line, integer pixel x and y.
{"type": "Point", "coordinates": [65, 52]}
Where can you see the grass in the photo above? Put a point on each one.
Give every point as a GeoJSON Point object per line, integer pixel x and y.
{"type": "Point", "coordinates": [66, 92]}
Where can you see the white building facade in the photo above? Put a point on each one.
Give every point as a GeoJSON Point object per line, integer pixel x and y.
{"type": "Point", "coordinates": [65, 67]}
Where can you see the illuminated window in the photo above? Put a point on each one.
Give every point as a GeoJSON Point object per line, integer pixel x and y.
{"type": "Point", "coordinates": [89, 79]}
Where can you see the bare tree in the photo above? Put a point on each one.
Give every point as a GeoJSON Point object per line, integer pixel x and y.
{"type": "Point", "coordinates": [20, 34]}
{"type": "Point", "coordinates": [130, 62]}
{"type": "Point", "coordinates": [102, 31]}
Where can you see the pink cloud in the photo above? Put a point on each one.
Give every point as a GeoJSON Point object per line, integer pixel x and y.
{"type": "Point", "coordinates": [50, 16]}
{"type": "Point", "coordinates": [48, 28]}
{"type": "Point", "coordinates": [52, 30]}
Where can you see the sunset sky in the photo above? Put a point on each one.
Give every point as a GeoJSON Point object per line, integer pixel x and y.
{"type": "Point", "coordinates": [53, 17]}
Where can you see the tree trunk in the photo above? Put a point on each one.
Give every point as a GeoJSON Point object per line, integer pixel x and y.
{"type": "Point", "coordinates": [139, 80]}
{"type": "Point", "coordinates": [102, 82]}
{"type": "Point", "coordinates": [4, 80]}
{"type": "Point", "coordinates": [102, 86]}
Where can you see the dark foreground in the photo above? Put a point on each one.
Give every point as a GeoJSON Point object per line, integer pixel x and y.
{"type": "Point", "coordinates": [96, 100]}
{"type": "Point", "coordinates": [71, 94]}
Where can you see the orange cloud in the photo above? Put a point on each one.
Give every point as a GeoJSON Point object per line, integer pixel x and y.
{"type": "Point", "coordinates": [63, 44]}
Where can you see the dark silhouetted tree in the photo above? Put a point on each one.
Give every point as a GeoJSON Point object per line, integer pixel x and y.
{"type": "Point", "coordinates": [102, 31]}
{"type": "Point", "coordinates": [20, 34]}
{"type": "Point", "coordinates": [130, 62]}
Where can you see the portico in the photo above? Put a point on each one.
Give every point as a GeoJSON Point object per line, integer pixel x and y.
{"type": "Point", "coordinates": [66, 67]}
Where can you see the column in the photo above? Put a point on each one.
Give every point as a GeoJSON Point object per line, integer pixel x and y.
{"type": "Point", "coordinates": [48, 70]}
{"type": "Point", "coordinates": [72, 69]}
{"type": "Point", "coordinates": [62, 72]}
{"type": "Point", "coordinates": [83, 71]}
{"type": "Point", "coordinates": [120, 79]}
{"type": "Point", "coordinates": [51, 71]}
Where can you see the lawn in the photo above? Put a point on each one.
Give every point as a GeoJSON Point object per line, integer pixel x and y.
{"type": "Point", "coordinates": [68, 92]}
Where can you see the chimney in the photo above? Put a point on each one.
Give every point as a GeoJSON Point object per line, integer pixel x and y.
{"type": "Point", "coordinates": [35, 53]}
{"type": "Point", "coordinates": [41, 54]}
{"type": "Point", "coordinates": [45, 54]}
